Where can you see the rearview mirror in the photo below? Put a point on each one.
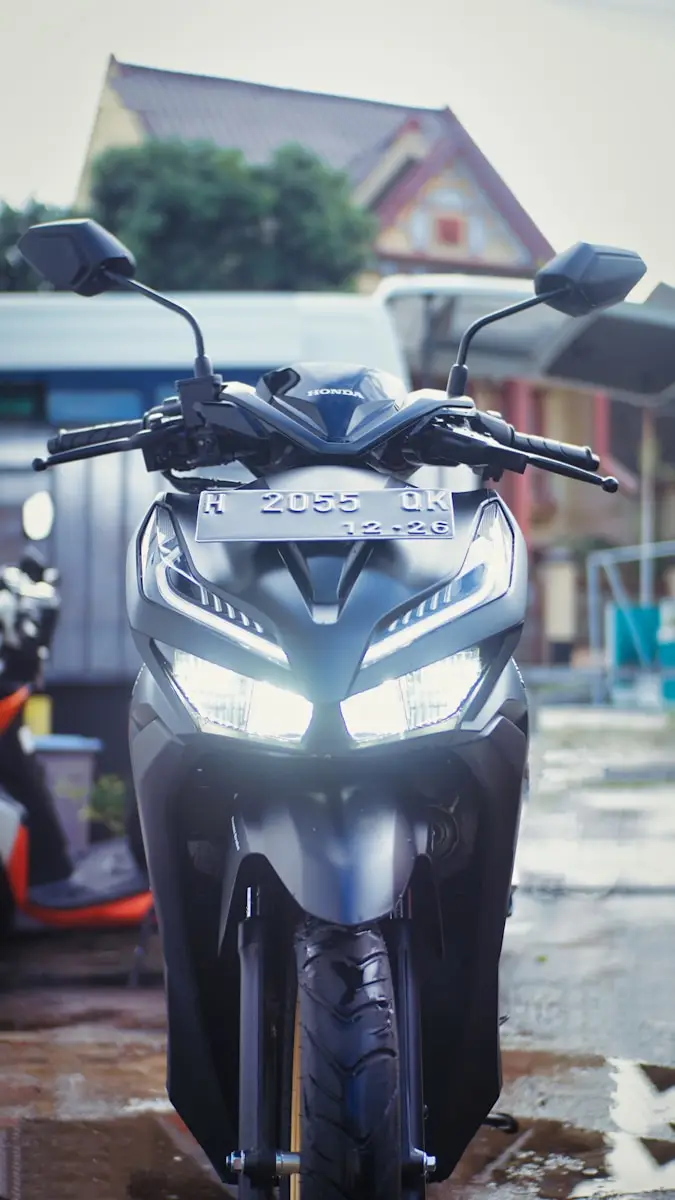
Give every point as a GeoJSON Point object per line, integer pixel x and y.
{"type": "Point", "coordinates": [591, 276]}
{"type": "Point", "coordinates": [73, 255]}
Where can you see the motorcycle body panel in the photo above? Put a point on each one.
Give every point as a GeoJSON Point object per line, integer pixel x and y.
{"type": "Point", "coordinates": [337, 831]}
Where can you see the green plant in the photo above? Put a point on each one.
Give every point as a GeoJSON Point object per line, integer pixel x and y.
{"type": "Point", "coordinates": [15, 273]}
{"type": "Point", "coordinates": [107, 803]}
{"type": "Point", "coordinates": [199, 217]}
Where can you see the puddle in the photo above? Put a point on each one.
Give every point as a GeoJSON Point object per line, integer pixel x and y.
{"type": "Point", "coordinates": [555, 1160]}
{"type": "Point", "coordinates": [84, 1116]}
{"type": "Point", "coordinates": [552, 1160]}
{"type": "Point", "coordinates": [640, 1152]}
{"type": "Point", "coordinates": [84, 1113]}
{"type": "Point", "coordinates": [133, 1158]}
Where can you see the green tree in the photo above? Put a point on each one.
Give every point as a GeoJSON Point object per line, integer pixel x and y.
{"type": "Point", "coordinates": [15, 274]}
{"type": "Point", "coordinates": [318, 238]}
{"type": "Point", "coordinates": [199, 217]}
{"type": "Point", "coordinates": [190, 213]}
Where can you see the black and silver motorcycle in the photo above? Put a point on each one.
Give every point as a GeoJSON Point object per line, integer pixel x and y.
{"type": "Point", "coordinates": [329, 736]}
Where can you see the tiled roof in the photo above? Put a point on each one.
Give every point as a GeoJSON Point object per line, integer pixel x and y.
{"type": "Point", "coordinates": [257, 119]}
{"type": "Point", "coordinates": [348, 133]}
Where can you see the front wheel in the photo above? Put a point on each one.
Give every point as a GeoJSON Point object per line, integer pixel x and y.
{"type": "Point", "coordinates": [345, 1097]}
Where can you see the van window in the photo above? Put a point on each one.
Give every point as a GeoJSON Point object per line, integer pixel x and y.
{"type": "Point", "coordinates": [21, 402]}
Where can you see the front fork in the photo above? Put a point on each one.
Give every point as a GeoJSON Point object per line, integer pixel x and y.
{"type": "Point", "coordinates": [258, 1165]}
{"type": "Point", "coordinates": [255, 1165]}
{"type": "Point", "coordinates": [415, 1163]}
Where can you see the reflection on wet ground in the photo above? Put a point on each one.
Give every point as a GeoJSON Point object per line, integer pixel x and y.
{"type": "Point", "coordinates": [117, 1159]}
{"type": "Point", "coordinates": [628, 1147]}
{"type": "Point", "coordinates": [84, 1113]}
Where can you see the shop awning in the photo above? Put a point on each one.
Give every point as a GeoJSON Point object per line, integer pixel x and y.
{"type": "Point", "coordinates": [628, 350]}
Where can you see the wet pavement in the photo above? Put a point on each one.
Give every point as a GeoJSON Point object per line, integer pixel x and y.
{"type": "Point", "coordinates": [84, 1116]}
{"type": "Point", "coordinates": [602, 815]}
{"type": "Point", "coordinates": [588, 983]}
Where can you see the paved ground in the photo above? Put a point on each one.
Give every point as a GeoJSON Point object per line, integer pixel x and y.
{"type": "Point", "coordinates": [603, 802]}
{"type": "Point", "coordinates": [588, 980]}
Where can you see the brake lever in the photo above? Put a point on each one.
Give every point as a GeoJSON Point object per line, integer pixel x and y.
{"type": "Point", "coordinates": [97, 450]}
{"type": "Point", "coordinates": [472, 448]}
{"type": "Point", "coordinates": [507, 458]}
{"type": "Point", "coordinates": [607, 482]}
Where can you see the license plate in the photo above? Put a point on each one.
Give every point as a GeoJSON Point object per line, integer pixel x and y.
{"type": "Point", "coordinates": [251, 515]}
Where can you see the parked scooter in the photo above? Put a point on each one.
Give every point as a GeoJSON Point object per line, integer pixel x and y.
{"type": "Point", "coordinates": [329, 737]}
{"type": "Point", "coordinates": [106, 886]}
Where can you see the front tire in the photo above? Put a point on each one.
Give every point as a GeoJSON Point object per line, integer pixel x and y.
{"type": "Point", "coordinates": [349, 1103]}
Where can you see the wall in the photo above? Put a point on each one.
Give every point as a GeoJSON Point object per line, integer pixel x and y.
{"type": "Point", "coordinates": [114, 125]}
{"type": "Point", "coordinates": [453, 192]}
{"type": "Point", "coordinates": [97, 711]}
{"type": "Point", "coordinates": [411, 147]}
{"type": "Point", "coordinates": [581, 511]}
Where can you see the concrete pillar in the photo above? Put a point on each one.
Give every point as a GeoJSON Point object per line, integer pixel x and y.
{"type": "Point", "coordinates": [649, 455]}
{"type": "Point", "coordinates": [519, 397]}
{"type": "Point", "coordinates": [601, 425]}
{"type": "Point", "coordinates": [558, 575]}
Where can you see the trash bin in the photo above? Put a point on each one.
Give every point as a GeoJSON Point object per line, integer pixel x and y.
{"type": "Point", "coordinates": [69, 763]}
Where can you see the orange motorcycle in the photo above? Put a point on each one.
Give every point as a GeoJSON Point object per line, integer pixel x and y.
{"type": "Point", "coordinates": [107, 886]}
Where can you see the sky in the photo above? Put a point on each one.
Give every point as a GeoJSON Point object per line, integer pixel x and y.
{"type": "Point", "coordinates": [573, 101]}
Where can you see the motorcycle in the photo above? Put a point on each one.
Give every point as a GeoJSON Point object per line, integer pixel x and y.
{"type": "Point", "coordinates": [329, 736]}
{"type": "Point", "coordinates": [107, 887]}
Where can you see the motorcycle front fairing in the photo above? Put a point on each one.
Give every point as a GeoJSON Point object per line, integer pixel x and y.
{"type": "Point", "coordinates": [345, 829]}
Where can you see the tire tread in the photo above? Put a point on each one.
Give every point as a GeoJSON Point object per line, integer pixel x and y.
{"type": "Point", "coordinates": [350, 1066]}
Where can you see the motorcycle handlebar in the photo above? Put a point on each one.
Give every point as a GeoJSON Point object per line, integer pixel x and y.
{"type": "Point", "coordinates": [491, 440]}
{"type": "Point", "coordinates": [77, 439]}
{"type": "Point", "coordinates": [576, 456]}
{"type": "Point", "coordinates": [564, 452]}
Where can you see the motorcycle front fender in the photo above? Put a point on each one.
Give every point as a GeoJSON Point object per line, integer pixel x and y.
{"type": "Point", "coordinates": [345, 856]}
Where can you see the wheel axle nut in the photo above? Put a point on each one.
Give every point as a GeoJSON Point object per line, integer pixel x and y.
{"type": "Point", "coordinates": [286, 1163]}
{"type": "Point", "coordinates": [423, 1163]}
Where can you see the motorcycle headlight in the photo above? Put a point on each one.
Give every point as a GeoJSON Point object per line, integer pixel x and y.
{"type": "Point", "coordinates": [164, 564]}
{"type": "Point", "coordinates": [433, 694]}
{"type": "Point", "coordinates": [485, 575]}
{"type": "Point", "coordinates": [222, 701]}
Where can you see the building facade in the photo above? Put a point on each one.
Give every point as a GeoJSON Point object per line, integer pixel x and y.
{"type": "Point", "coordinates": [439, 203]}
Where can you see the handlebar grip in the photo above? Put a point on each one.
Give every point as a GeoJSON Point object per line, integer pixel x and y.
{"type": "Point", "coordinates": [75, 439]}
{"type": "Point", "coordinates": [576, 456]}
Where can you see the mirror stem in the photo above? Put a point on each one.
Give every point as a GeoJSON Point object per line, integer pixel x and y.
{"type": "Point", "coordinates": [202, 366]}
{"type": "Point", "coordinates": [459, 374]}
